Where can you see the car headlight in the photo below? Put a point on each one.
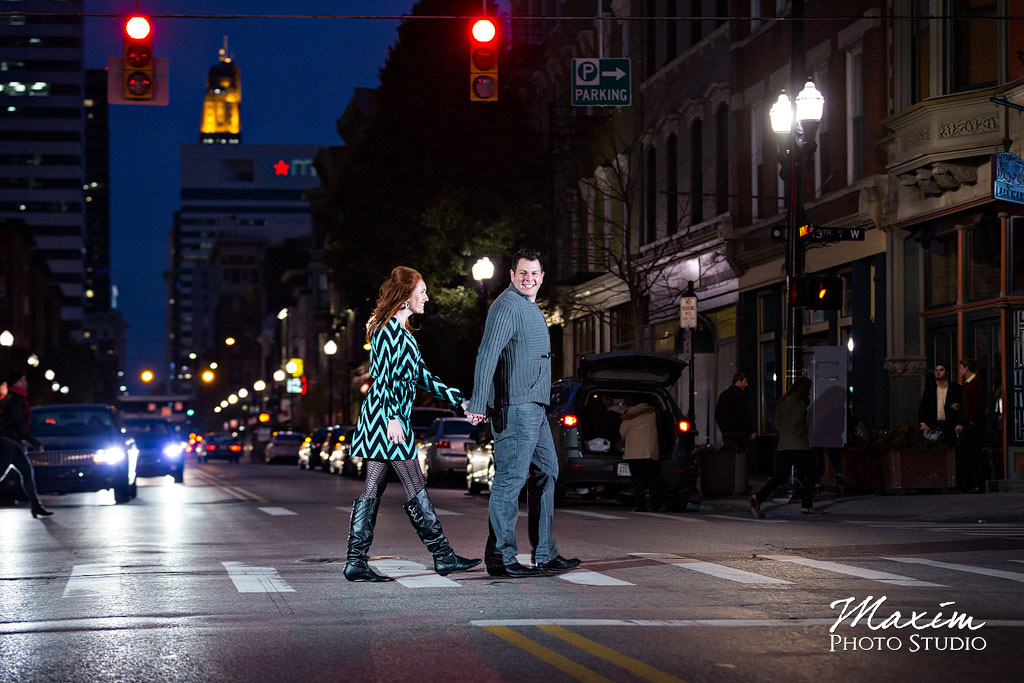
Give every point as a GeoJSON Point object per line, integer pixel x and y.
{"type": "Point", "coordinates": [109, 456]}
{"type": "Point", "coordinates": [172, 450]}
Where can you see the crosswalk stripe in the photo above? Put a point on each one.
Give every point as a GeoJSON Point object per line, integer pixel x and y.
{"type": "Point", "coordinates": [711, 569]}
{"type": "Point", "coordinates": [256, 579]}
{"type": "Point", "coordinates": [439, 511]}
{"type": "Point", "coordinates": [93, 580]}
{"type": "Point", "coordinates": [749, 519]}
{"type": "Point", "coordinates": [583, 577]}
{"type": "Point", "coordinates": [413, 574]}
{"type": "Point", "coordinates": [278, 512]}
{"type": "Point", "coordinates": [850, 570]}
{"type": "Point", "coordinates": [998, 573]}
{"type": "Point", "coordinates": [595, 515]}
{"type": "Point", "coordinates": [678, 518]}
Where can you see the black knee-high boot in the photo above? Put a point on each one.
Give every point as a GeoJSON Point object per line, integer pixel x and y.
{"type": "Point", "coordinates": [424, 520]}
{"type": "Point", "coordinates": [360, 536]}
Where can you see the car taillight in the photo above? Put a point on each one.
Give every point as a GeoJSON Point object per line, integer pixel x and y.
{"type": "Point", "coordinates": [569, 420]}
{"type": "Point", "coordinates": [684, 426]}
{"type": "Point", "coordinates": [235, 447]}
{"type": "Point", "coordinates": [210, 447]}
{"type": "Point", "coordinates": [444, 443]}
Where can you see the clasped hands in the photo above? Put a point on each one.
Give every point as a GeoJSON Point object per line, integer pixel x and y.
{"type": "Point", "coordinates": [474, 418]}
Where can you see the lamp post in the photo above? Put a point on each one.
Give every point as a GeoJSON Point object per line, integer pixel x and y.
{"type": "Point", "coordinates": [330, 348]}
{"type": "Point", "coordinates": [795, 134]}
{"type": "Point", "coordinates": [483, 270]}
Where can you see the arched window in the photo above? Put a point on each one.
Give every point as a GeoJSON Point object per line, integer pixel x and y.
{"type": "Point", "coordinates": [696, 172]}
{"type": "Point", "coordinates": [672, 185]}
{"type": "Point", "coordinates": [722, 159]}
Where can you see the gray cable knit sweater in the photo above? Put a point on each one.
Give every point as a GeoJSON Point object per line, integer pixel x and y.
{"type": "Point", "coordinates": [513, 364]}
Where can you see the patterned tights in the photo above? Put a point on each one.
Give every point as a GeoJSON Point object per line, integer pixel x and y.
{"type": "Point", "coordinates": [409, 473]}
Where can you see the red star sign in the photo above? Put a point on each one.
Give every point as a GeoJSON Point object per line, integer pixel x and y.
{"type": "Point", "coordinates": [281, 168]}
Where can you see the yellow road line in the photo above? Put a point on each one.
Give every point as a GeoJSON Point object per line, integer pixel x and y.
{"type": "Point", "coordinates": [564, 664]}
{"type": "Point", "coordinates": [628, 663]}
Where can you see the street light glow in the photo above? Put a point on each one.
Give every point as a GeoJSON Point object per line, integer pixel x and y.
{"type": "Point", "coordinates": [49, 375]}
{"type": "Point", "coordinates": [292, 367]}
{"type": "Point", "coordinates": [33, 360]}
{"type": "Point", "coordinates": [230, 341]}
{"type": "Point", "coordinates": [208, 376]}
{"type": "Point", "coordinates": [259, 385]}
{"type": "Point", "coordinates": [147, 376]}
{"type": "Point", "coordinates": [283, 313]}
{"type": "Point", "coordinates": [810, 104]}
{"type": "Point", "coordinates": [7, 338]}
{"type": "Point", "coordinates": [279, 375]}
{"type": "Point", "coordinates": [330, 347]}
{"type": "Point", "coordinates": [781, 114]}
{"type": "Point", "coordinates": [233, 399]}
{"type": "Point", "coordinates": [243, 392]}
{"type": "Point", "coordinates": [483, 269]}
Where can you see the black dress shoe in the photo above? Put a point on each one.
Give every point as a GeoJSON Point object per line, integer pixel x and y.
{"type": "Point", "coordinates": [39, 511]}
{"type": "Point", "coordinates": [559, 564]}
{"type": "Point", "coordinates": [515, 571]}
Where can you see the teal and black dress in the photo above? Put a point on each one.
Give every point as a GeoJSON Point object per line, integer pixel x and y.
{"type": "Point", "coordinates": [397, 368]}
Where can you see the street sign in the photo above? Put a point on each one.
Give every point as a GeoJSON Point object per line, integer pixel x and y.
{"type": "Point", "coordinates": [688, 312]}
{"type": "Point", "coordinates": [817, 233]}
{"type": "Point", "coordinates": [601, 83]}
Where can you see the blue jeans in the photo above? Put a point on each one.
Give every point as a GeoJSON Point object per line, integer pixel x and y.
{"type": "Point", "coordinates": [522, 448]}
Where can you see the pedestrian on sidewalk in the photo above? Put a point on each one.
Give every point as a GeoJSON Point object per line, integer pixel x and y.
{"type": "Point", "coordinates": [513, 378]}
{"type": "Point", "coordinates": [971, 427]}
{"type": "Point", "coordinates": [733, 416]}
{"type": "Point", "coordinates": [794, 448]}
{"type": "Point", "coordinates": [639, 428]}
{"type": "Point", "coordinates": [383, 427]}
{"type": "Point", "coordinates": [15, 413]}
{"type": "Point", "coordinates": [938, 409]}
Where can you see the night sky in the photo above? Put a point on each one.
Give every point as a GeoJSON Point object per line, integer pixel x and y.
{"type": "Point", "coordinates": [297, 77]}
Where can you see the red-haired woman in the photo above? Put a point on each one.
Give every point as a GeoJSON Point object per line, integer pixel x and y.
{"type": "Point", "coordinates": [383, 435]}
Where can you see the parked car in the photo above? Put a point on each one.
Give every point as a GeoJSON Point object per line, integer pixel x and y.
{"type": "Point", "coordinates": [585, 411]}
{"type": "Point", "coordinates": [337, 457]}
{"type": "Point", "coordinates": [283, 446]}
{"type": "Point", "coordinates": [422, 417]}
{"type": "Point", "coordinates": [222, 445]}
{"type": "Point", "coordinates": [85, 448]}
{"type": "Point", "coordinates": [480, 460]}
{"type": "Point", "coordinates": [310, 453]}
{"type": "Point", "coordinates": [442, 449]}
{"type": "Point", "coordinates": [160, 447]}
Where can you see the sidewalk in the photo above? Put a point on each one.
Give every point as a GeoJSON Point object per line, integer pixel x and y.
{"type": "Point", "coordinates": [947, 507]}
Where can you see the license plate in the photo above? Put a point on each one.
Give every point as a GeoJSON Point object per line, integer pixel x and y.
{"type": "Point", "coordinates": [623, 469]}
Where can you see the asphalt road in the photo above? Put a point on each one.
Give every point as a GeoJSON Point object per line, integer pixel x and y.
{"type": "Point", "coordinates": [237, 576]}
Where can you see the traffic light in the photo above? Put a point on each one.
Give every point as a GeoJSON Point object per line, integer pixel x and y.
{"type": "Point", "coordinates": [138, 59]}
{"type": "Point", "coordinates": [818, 292]}
{"type": "Point", "coordinates": [483, 62]}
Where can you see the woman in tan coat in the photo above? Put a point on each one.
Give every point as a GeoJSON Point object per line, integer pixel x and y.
{"type": "Point", "coordinates": [639, 428]}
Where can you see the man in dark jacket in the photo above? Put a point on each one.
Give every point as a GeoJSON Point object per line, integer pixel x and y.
{"type": "Point", "coordinates": [971, 427]}
{"type": "Point", "coordinates": [14, 420]}
{"type": "Point", "coordinates": [939, 407]}
{"type": "Point", "coordinates": [733, 417]}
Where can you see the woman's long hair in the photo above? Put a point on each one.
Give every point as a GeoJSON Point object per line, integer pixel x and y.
{"type": "Point", "coordinates": [393, 294]}
{"type": "Point", "coordinates": [799, 389]}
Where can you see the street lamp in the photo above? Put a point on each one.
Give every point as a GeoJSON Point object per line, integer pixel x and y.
{"type": "Point", "coordinates": [330, 348]}
{"type": "Point", "coordinates": [7, 339]}
{"type": "Point", "coordinates": [795, 132]}
{"type": "Point", "coordinates": [483, 270]}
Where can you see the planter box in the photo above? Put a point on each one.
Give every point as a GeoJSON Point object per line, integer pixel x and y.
{"type": "Point", "coordinates": [862, 469]}
{"type": "Point", "coordinates": [920, 468]}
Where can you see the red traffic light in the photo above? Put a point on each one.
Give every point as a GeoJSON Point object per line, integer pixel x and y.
{"type": "Point", "coordinates": [483, 30]}
{"type": "Point", "coordinates": [137, 28]}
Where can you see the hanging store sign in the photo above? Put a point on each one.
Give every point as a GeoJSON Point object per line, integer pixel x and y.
{"type": "Point", "coordinates": [1008, 177]}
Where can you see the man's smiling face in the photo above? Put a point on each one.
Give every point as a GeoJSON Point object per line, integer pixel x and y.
{"type": "Point", "coordinates": [527, 277]}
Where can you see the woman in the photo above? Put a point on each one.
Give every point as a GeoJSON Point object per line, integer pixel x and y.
{"type": "Point", "coordinates": [14, 421]}
{"type": "Point", "coordinates": [794, 448]}
{"type": "Point", "coordinates": [639, 428]}
{"type": "Point", "coordinates": [383, 435]}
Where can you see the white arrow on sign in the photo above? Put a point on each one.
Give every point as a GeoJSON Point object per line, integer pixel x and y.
{"type": "Point", "coordinates": [617, 74]}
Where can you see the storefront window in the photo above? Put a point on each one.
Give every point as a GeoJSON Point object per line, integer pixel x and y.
{"type": "Point", "coordinates": [583, 336]}
{"type": "Point", "coordinates": [622, 331]}
{"type": "Point", "coordinates": [1017, 249]}
{"type": "Point", "coordinates": [983, 256]}
{"type": "Point", "coordinates": [940, 272]}
{"type": "Point", "coordinates": [664, 336]}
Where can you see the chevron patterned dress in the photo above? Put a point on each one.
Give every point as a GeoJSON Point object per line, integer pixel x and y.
{"type": "Point", "coordinates": [397, 368]}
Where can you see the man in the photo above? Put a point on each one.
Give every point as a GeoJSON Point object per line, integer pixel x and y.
{"type": "Point", "coordinates": [14, 417]}
{"type": "Point", "coordinates": [971, 427]}
{"type": "Point", "coordinates": [940, 403]}
{"type": "Point", "coordinates": [513, 375]}
{"type": "Point", "coordinates": [733, 417]}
